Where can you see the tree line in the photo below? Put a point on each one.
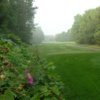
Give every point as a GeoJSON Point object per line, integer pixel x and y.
{"type": "Point", "coordinates": [17, 18]}
{"type": "Point", "coordinates": [62, 37]}
{"type": "Point", "coordinates": [86, 27]}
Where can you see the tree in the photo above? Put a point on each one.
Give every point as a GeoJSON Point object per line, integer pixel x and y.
{"type": "Point", "coordinates": [38, 35]}
{"type": "Point", "coordinates": [85, 26]}
{"type": "Point", "coordinates": [97, 37]}
{"type": "Point", "coordinates": [22, 21]}
{"type": "Point", "coordinates": [3, 16]}
{"type": "Point", "coordinates": [18, 18]}
{"type": "Point", "coordinates": [63, 37]}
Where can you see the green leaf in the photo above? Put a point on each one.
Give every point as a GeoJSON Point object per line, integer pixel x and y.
{"type": "Point", "coordinates": [2, 97]}
{"type": "Point", "coordinates": [50, 98]}
{"type": "Point", "coordinates": [35, 97]}
{"type": "Point", "coordinates": [55, 90]}
{"type": "Point", "coordinates": [45, 90]}
{"type": "Point", "coordinates": [8, 95]}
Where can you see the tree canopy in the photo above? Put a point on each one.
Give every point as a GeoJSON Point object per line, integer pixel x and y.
{"type": "Point", "coordinates": [86, 27]}
{"type": "Point", "coordinates": [38, 35]}
{"type": "Point", "coordinates": [17, 17]}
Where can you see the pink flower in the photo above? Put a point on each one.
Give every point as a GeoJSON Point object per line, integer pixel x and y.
{"type": "Point", "coordinates": [29, 77]}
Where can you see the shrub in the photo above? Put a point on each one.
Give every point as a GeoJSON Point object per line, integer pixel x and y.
{"type": "Point", "coordinates": [23, 76]}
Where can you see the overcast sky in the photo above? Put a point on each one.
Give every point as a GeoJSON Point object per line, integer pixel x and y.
{"type": "Point", "coordinates": [55, 16]}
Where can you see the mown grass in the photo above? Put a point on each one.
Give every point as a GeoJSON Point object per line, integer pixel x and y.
{"type": "Point", "coordinates": [79, 68]}
{"type": "Point", "coordinates": [63, 48]}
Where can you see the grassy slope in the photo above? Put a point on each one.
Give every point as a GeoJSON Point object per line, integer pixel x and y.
{"type": "Point", "coordinates": [79, 67]}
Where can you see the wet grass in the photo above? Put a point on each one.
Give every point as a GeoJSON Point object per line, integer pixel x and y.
{"type": "Point", "coordinates": [79, 68]}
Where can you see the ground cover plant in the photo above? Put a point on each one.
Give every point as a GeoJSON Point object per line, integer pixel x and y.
{"type": "Point", "coordinates": [26, 76]}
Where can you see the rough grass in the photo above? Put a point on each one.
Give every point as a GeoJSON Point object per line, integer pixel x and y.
{"type": "Point", "coordinates": [79, 67]}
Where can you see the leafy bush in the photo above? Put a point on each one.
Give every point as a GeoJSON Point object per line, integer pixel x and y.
{"type": "Point", "coordinates": [10, 37]}
{"type": "Point", "coordinates": [25, 76]}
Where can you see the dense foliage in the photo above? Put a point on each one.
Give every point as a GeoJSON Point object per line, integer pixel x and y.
{"type": "Point", "coordinates": [24, 76]}
{"type": "Point", "coordinates": [86, 27]}
{"type": "Point", "coordinates": [63, 37]}
{"type": "Point", "coordinates": [38, 35]}
{"type": "Point", "coordinates": [16, 16]}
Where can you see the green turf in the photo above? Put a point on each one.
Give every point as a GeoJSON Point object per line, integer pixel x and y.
{"type": "Point", "coordinates": [79, 67]}
{"type": "Point", "coordinates": [62, 48]}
